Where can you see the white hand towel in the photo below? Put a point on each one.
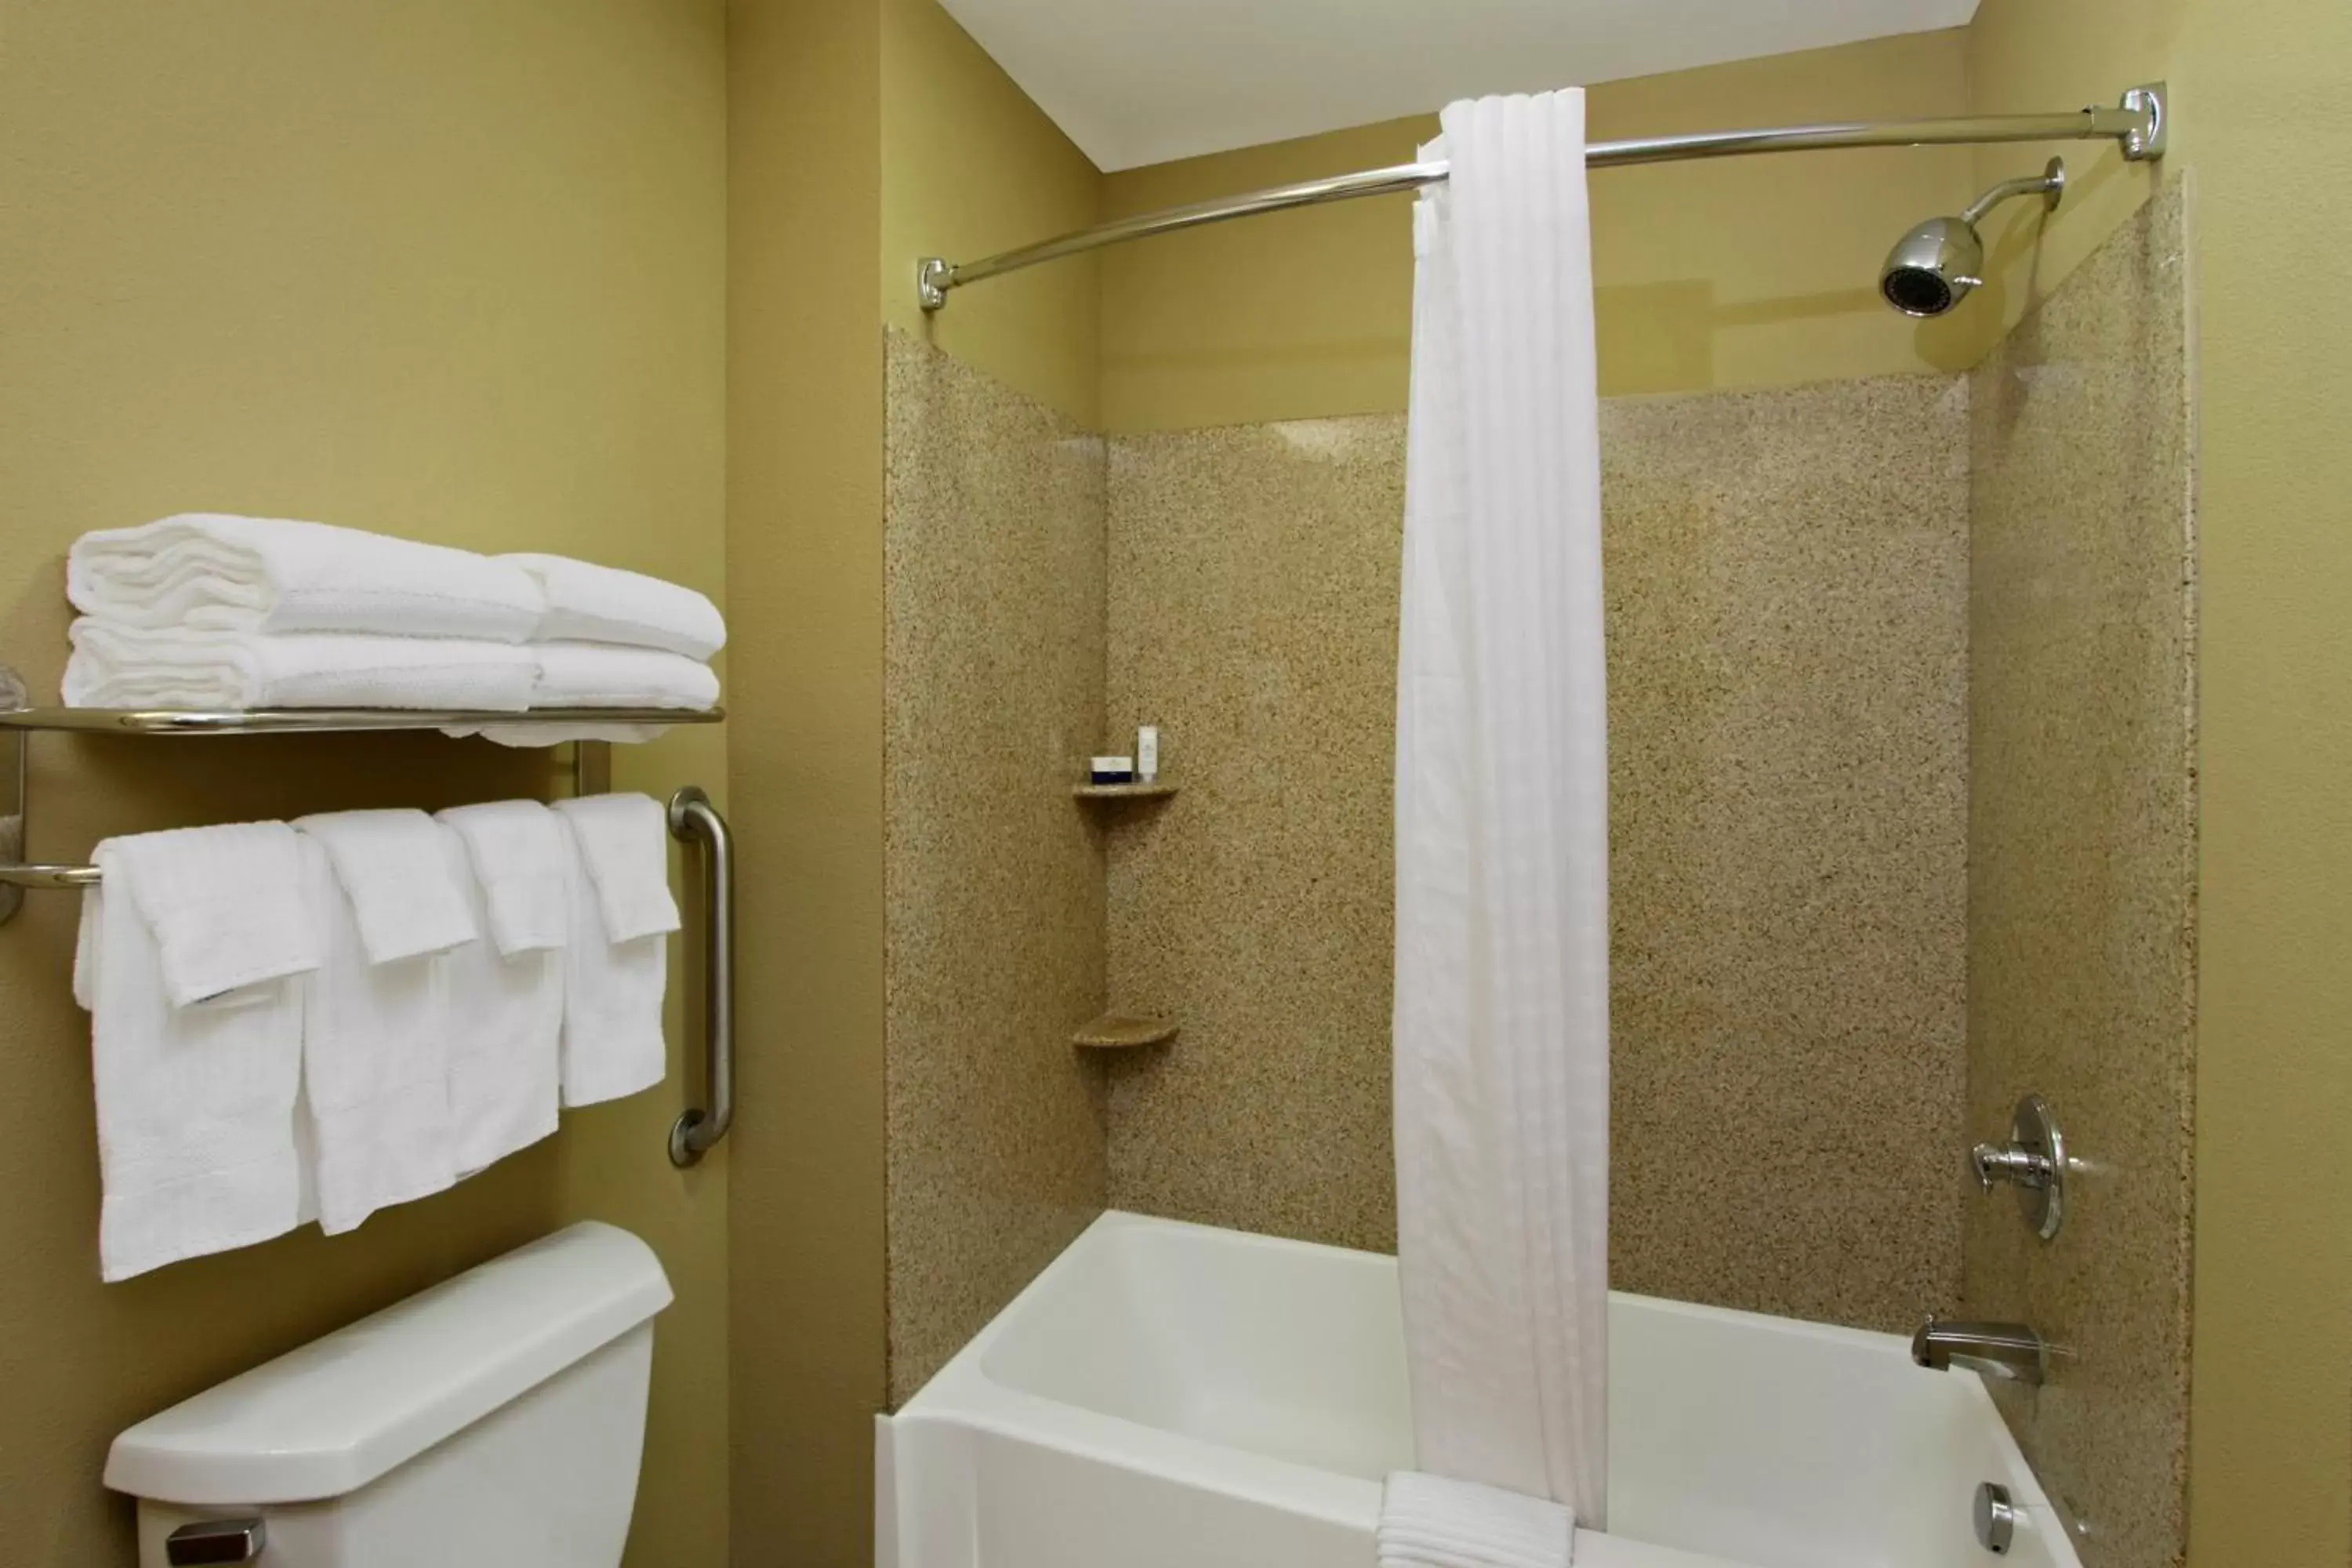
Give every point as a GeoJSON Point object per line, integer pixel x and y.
{"type": "Point", "coordinates": [517, 860]}
{"type": "Point", "coordinates": [625, 842]}
{"type": "Point", "coordinates": [376, 1063]}
{"type": "Point", "coordinates": [211, 571]}
{"type": "Point", "coordinates": [506, 1003]}
{"type": "Point", "coordinates": [587, 603]}
{"type": "Point", "coordinates": [1430, 1521]}
{"type": "Point", "coordinates": [124, 667]}
{"type": "Point", "coordinates": [613, 988]}
{"type": "Point", "coordinates": [397, 879]}
{"type": "Point", "coordinates": [195, 1104]}
{"type": "Point", "coordinates": [225, 905]}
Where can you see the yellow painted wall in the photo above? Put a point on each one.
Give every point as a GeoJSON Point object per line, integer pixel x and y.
{"type": "Point", "coordinates": [970, 167]}
{"type": "Point", "coordinates": [450, 269]}
{"type": "Point", "coordinates": [805, 542]}
{"type": "Point", "coordinates": [1758, 271]}
{"type": "Point", "coordinates": [2270, 1418]}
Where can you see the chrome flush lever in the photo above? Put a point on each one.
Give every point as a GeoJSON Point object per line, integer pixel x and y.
{"type": "Point", "coordinates": [217, 1540]}
{"type": "Point", "coordinates": [2033, 1160]}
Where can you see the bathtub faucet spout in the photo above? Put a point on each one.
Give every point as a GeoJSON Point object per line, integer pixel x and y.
{"type": "Point", "coordinates": [2008, 1350]}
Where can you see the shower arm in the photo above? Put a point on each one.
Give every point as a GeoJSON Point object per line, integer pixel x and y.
{"type": "Point", "coordinates": [2049, 184]}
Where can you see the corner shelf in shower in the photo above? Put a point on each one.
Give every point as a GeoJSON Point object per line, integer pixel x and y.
{"type": "Point", "coordinates": [1157, 789]}
{"type": "Point", "coordinates": [1124, 1031]}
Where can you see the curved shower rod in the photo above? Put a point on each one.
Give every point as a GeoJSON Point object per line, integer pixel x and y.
{"type": "Point", "coordinates": [2136, 124]}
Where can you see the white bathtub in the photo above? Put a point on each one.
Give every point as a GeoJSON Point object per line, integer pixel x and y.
{"type": "Point", "coordinates": [1168, 1395]}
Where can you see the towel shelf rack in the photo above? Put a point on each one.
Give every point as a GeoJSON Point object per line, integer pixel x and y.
{"type": "Point", "coordinates": [692, 819]}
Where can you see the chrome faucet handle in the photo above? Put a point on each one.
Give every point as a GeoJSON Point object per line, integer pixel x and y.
{"type": "Point", "coordinates": [2033, 1160]}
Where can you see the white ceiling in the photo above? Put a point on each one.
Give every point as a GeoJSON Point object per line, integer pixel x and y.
{"type": "Point", "coordinates": [1141, 81]}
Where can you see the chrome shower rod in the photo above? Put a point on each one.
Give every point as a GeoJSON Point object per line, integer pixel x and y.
{"type": "Point", "coordinates": [2136, 124]}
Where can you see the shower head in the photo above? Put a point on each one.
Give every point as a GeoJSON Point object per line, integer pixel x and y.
{"type": "Point", "coordinates": [1933, 268]}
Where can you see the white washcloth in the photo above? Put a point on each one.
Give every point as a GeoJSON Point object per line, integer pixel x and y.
{"type": "Point", "coordinates": [517, 861]}
{"type": "Point", "coordinates": [625, 842]}
{"type": "Point", "coordinates": [195, 1105]}
{"type": "Point", "coordinates": [1429, 1521]}
{"type": "Point", "coordinates": [397, 880]}
{"type": "Point", "coordinates": [225, 905]}
{"type": "Point", "coordinates": [587, 602]}
{"type": "Point", "coordinates": [210, 570]}
{"type": "Point", "coordinates": [375, 1062]}
{"type": "Point", "coordinates": [506, 1004]}
{"type": "Point", "coordinates": [124, 667]}
{"type": "Point", "coordinates": [613, 988]}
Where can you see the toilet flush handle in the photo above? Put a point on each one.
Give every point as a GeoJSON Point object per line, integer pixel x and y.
{"type": "Point", "coordinates": [217, 1540]}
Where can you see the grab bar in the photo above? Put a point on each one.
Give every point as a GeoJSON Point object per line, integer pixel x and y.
{"type": "Point", "coordinates": [692, 817]}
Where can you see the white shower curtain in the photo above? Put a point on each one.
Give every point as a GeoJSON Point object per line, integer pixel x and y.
{"type": "Point", "coordinates": [1502, 939]}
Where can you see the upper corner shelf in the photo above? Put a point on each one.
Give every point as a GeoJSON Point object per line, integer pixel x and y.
{"type": "Point", "coordinates": [327, 720]}
{"type": "Point", "coordinates": [1157, 789]}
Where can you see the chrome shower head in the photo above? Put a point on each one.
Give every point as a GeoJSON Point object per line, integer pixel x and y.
{"type": "Point", "coordinates": [1933, 268]}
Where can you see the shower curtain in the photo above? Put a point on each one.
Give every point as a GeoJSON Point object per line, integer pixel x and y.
{"type": "Point", "coordinates": [1502, 920]}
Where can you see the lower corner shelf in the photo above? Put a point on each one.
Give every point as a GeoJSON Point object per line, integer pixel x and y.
{"type": "Point", "coordinates": [1120, 1031]}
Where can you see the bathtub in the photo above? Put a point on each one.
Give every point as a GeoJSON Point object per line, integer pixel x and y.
{"type": "Point", "coordinates": [1170, 1395]}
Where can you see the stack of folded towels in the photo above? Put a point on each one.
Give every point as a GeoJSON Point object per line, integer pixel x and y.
{"type": "Point", "coordinates": [212, 611]}
{"type": "Point", "coordinates": [314, 1020]}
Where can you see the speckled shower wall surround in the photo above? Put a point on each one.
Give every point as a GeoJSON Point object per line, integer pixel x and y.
{"type": "Point", "coordinates": [2082, 951]}
{"type": "Point", "coordinates": [1786, 581]}
{"type": "Point", "coordinates": [992, 670]}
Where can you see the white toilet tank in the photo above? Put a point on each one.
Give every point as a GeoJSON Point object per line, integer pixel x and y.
{"type": "Point", "coordinates": [494, 1421]}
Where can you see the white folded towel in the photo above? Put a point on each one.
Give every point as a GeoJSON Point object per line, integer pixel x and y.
{"type": "Point", "coordinates": [375, 1062]}
{"type": "Point", "coordinates": [1430, 1521]}
{"type": "Point", "coordinates": [587, 602]}
{"type": "Point", "coordinates": [211, 571]}
{"type": "Point", "coordinates": [518, 860]}
{"type": "Point", "coordinates": [123, 666]}
{"type": "Point", "coordinates": [600, 675]}
{"type": "Point", "coordinates": [625, 842]}
{"type": "Point", "coordinates": [505, 996]}
{"type": "Point", "coordinates": [225, 905]}
{"type": "Point", "coordinates": [195, 1104]}
{"type": "Point", "coordinates": [396, 877]}
{"type": "Point", "coordinates": [613, 985]}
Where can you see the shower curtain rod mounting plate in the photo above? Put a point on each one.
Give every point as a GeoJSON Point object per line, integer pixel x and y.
{"type": "Point", "coordinates": [2139, 125]}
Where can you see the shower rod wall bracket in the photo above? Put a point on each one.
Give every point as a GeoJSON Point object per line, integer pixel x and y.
{"type": "Point", "coordinates": [2139, 125]}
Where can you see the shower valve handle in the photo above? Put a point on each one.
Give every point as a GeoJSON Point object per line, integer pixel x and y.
{"type": "Point", "coordinates": [2010, 1162]}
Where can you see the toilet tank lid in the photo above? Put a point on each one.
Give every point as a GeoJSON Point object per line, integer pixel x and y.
{"type": "Point", "coordinates": [327, 1417]}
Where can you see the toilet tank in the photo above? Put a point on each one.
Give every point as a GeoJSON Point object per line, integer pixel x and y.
{"type": "Point", "coordinates": [493, 1421]}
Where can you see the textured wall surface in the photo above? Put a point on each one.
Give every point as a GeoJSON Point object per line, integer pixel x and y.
{"type": "Point", "coordinates": [1787, 583]}
{"type": "Point", "coordinates": [993, 678]}
{"type": "Point", "coordinates": [2082, 850]}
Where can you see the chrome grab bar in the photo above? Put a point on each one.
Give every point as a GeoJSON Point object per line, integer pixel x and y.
{"type": "Point", "coordinates": [692, 818]}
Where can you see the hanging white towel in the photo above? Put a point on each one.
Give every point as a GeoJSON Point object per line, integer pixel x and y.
{"type": "Point", "coordinates": [516, 858]}
{"type": "Point", "coordinates": [616, 966]}
{"type": "Point", "coordinates": [1501, 1024]}
{"type": "Point", "coordinates": [196, 1103]}
{"type": "Point", "coordinates": [394, 872]}
{"type": "Point", "coordinates": [212, 570]}
{"type": "Point", "coordinates": [1428, 1521]}
{"type": "Point", "coordinates": [506, 994]}
{"type": "Point", "coordinates": [587, 602]}
{"type": "Point", "coordinates": [126, 666]}
{"type": "Point", "coordinates": [375, 1062]}
{"type": "Point", "coordinates": [225, 905]}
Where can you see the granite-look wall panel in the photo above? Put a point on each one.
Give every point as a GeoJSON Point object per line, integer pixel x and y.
{"type": "Point", "coordinates": [1787, 599]}
{"type": "Point", "coordinates": [2082, 850]}
{"type": "Point", "coordinates": [993, 679]}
